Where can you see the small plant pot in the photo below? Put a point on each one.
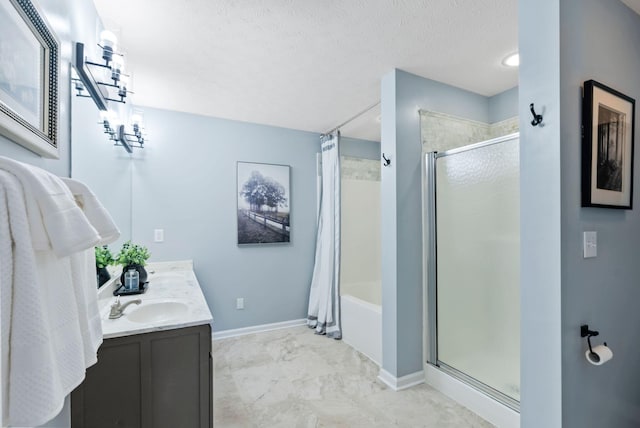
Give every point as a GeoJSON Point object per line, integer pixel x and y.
{"type": "Point", "coordinates": [103, 275]}
{"type": "Point", "coordinates": [141, 271]}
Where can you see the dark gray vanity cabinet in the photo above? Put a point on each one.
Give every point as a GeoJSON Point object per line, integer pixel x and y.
{"type": "Point", "coordinates": [151, 380]}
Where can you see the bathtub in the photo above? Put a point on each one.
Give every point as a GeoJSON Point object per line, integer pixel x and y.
{"type": "Point", "coordinates": [362, 322]}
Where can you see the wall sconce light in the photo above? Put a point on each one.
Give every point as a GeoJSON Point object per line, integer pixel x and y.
{"type": "Point", "coordinates": [112, 86]}
{"type": "Point", "coordinates": [134, 139]}
{"type": "Point", "coordinates": [117, 132]}
{"type": "Point", "coordinates": [88, 80]}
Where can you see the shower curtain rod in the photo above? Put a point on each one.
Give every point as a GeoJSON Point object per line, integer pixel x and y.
{"type": "Point", "coordinates": [352, 118]}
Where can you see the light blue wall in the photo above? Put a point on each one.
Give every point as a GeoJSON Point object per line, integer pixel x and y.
{"type": "Point", "coordinates": [599, 40]}
{"type": "Point", "coordinates": [70, 20]}
{"type": "Point", "coordinates": [402, 95]}
{"type": "Point", "coordinates": [104, 168]}
{"type": "Point", "coordinates": [359, 148]}
{"type": "Point", "coordinates": [185, 183]}
{"type": "Point", "coordinates": [540, 272]}
{"type": "Point", "coordinates": [389, 222]}
{"type": "Point", "coordinates": [503, 105]}
{"type": "Point", "coordinates": [560, 289]}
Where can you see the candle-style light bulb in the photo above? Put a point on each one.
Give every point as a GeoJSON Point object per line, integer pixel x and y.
{"type": "Point", "coordinates": [124, 86]}
{"type": "Point", "coordinates": [117, 68]}
{"type": "Point", "coordinates": [136, 119]}
{"type": "Point", "coordinates": [108, 42]}
{"type": "Point", "coordinates": [108, 39]}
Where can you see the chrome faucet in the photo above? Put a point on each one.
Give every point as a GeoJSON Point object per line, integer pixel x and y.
{"type": "Point", "coordinates": [117, 310]}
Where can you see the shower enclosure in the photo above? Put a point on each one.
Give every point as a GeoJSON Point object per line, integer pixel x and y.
{"type": "Point", "coordinates": [473, 265]}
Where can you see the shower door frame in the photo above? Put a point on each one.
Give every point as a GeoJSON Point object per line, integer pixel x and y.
{"type": "Point", "coordinates": [430, 259]}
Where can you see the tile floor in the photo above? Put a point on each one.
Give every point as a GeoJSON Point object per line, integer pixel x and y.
{"type": "Point", "coordinates": [294, 378]}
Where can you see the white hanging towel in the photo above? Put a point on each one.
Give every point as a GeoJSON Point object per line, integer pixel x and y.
{"type": "Point", "coordinates": [6, 299]}
{"type": "Point", "coordinates": [43, 351]}
{"type": "Point", "coordinates": [324, 295]}
{"type": "Point", "coordinates": [83, 281]}
{"type": "Point", "coordinates": [98, 216]}
{"type": "Point", "coordinates": [55, 220]}
{"type": "Point", "coordinates": [83, 266]}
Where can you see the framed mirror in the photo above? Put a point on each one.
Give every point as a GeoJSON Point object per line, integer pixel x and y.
{"type": "Point", "coordinates": [29, 67]}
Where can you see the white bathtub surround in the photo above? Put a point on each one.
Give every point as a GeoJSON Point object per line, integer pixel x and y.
{"type": "Point", "coordinates": [402, 382]}
{"type": "Point", "coordinates": [361, 248]}
{"type": "Point", "coordinates": [324, 296]}
{"type": "Point", "coordinates": [362, 325]}
{"type": "Point", "coordinates": [225, 334]}
{"type": "Point", "coordinates": [168, 282]}
{"type": "Point", "coordinates": [360, 268]}
{"type": "Point", "coordinates": [367, 291]}
{"type": "Point", "coordinates": [489, 409]}
{"type": "Point", "coordinates": [292, 378]}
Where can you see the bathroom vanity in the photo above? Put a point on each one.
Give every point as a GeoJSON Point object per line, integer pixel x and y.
{"type": "Point", "coordinates": [154, 367]}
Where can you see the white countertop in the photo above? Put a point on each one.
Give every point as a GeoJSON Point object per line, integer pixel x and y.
{"type": "Point", "coordinates": [168, 282]}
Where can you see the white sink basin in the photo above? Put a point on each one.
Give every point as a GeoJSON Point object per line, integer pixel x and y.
{"type": "Point", "coordinates": [158, 311]}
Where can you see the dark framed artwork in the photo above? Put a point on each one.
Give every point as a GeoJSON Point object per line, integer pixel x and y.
{"type": "Point", "coordinates": [608, 123]}
{"type": "Point", "coordinates": [29, 62]}
{"type": "Point", "coordinates": [264, 201]}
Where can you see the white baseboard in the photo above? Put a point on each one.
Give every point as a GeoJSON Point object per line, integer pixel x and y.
{"type": "Point", "coordinates": [403, 382]}
{"type": "Point", "coordinates": [484, 406]}
{"type": "Point", "coordinates": [225, 334]}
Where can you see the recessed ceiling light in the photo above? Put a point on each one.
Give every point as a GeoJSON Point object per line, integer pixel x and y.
{"type": "Point", "coordinates": [511, 60]}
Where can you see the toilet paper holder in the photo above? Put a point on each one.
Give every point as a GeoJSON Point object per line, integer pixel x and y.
{"type": "Point", "coordinates": [585, 332]}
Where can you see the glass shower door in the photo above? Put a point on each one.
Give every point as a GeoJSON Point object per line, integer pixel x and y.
{"type": "Point", "coordinates": [477, 232]}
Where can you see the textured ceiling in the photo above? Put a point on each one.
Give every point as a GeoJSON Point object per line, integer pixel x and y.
{"type": "Point", "coordinates": [306, 64]}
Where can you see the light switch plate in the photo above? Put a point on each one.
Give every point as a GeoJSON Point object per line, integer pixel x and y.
{"type": "Point", "coordinates": [590, 244]}
{"type": "Point", "coordinates": [158, 235]}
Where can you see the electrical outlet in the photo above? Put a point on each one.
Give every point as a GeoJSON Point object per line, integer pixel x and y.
{"type": "Point", "coordinates": [240, 303]}
{"type": "Point", "coordinates": [158, 235]}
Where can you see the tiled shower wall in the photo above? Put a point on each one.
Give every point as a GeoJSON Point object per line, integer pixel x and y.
{"type": "Point", "coordinates": [441, 132]}
{"type": "Point", "coordinates": [359, 168]}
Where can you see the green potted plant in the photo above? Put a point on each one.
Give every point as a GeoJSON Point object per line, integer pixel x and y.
{"type": "Point", "coordinates": [104, 258]}
{"type": "Point", "coordinates": [133, 256]}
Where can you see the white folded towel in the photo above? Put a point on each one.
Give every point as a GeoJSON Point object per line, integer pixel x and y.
{"type": "Point", "coordinates": [43, 352]}
{"type": "Point", "coordinates": [55, 220]}
{"type": "Point", "coordinates": [98, 216]}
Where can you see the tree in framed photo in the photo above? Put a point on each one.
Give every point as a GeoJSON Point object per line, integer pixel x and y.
{"type": "Point", "coordinates": [263, 203]}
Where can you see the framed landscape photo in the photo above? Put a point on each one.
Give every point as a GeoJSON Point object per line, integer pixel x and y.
{"type": "Point", "coordinates": [29, 61]}
{"type": "Point", "coordinates": [608, 122]}
{"type": "Point", "coordinates": [263, 203]}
